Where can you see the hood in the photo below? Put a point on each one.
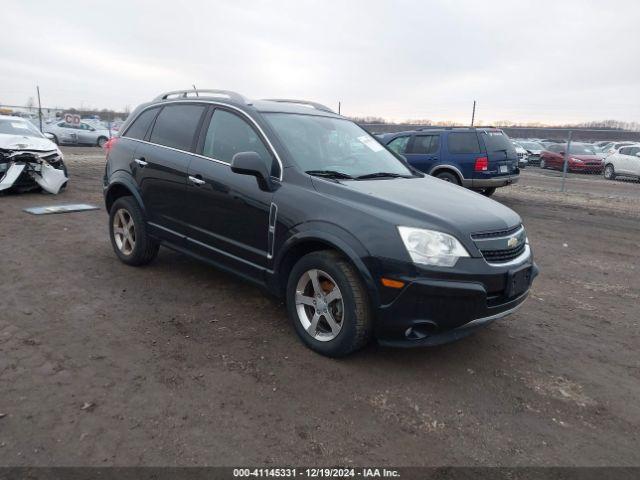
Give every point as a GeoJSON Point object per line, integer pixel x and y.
{"type": "Point", "coordinates": [424, 203]}
{"type": "Point", "coordinates": [20, 142]}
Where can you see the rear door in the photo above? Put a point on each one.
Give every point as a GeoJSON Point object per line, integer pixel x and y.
{"type": "Point", "coordinates": [161, 166]}
{"type": "Point", "coordinates": [502, 155]}
{"type": "Point", "coordinates": [463, 148]}
{"type": "Point", "coordinates": [424, 151]}
{"type": "Point", "coordinates": [228, 214]}
{"type": "Point", "coordinates": [634, 161]}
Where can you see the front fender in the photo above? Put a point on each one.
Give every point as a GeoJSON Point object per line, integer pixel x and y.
{"type": "Point", "coordinates": [334, 237]}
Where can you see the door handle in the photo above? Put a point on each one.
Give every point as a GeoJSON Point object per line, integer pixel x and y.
{"type": "Point", "coordinates": [196, 180]}
{"type": "Point", "coordinates": [141, 162]}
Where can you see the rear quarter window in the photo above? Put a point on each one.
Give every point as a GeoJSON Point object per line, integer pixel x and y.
{"type": "Point", "coordinates": [176, 126]}
{"type": "Point", "coordinates": [463, 142]}
{"type": "Point", "coordinates": [140, 125]}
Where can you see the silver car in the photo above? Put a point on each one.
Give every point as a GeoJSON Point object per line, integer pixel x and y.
{"type": "Point", "coordinates": [82, 134]}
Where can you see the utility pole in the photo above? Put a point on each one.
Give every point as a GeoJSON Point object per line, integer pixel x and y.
{"type": "Point", "coordinates": [39, 107]}
{"type": "Point", "coordinates": [194, 87]}
{"type": "Point", "coordinates": [473, 113]}
{"type": "Point", "coordinates": [566, 161]}
{"type": "Point", "coordinates": [339, 108]}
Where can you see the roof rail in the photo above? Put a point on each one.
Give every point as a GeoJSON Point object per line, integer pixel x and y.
{"type": "Point", "coordinates": [317, 106]}
{"type": "Point", "coordinates": [196, 93]}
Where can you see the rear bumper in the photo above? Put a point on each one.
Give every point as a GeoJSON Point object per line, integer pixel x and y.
{"type": "Point", "coordinates": [492, 182]}
{"type": "Point", "coordinates": [430, 312]}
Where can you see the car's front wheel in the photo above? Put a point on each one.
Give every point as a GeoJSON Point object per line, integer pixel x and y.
{"type": "Point", "coordinates": [448, 177]}
{"type": "Point", "coordinates": [328, 304]}
{"type": "Point", "coordinates": [543, 163]}
{"type": "Point", "coordinates": [128, 232]}
{"type": "Point", "coordinates": [102, 141]}
{"type": "Point", "coordinates": [609, 172]}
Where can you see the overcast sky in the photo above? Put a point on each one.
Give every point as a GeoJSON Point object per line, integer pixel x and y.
{"type": "Point", "coordinates": [549, 61]}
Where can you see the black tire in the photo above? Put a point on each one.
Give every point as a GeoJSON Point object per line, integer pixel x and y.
{"type": "Point", "coordinates": [542, 164]}
{"type": "Point", "coordinates": [356, 325]}
{"type": "Point", "coordinates": [487, 192]}
{"type": "Point", "coordinates": [448, 177]}
{"type": "Point", "coordinates": [102, 141]}
{"type": "Point", "coordinates": [609, 172]}
{"type": "Point", "coordinates": [145, 249]}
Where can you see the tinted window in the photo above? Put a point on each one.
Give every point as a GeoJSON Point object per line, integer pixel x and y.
{"type": "Point", "coordinates": [497, 141]}
{"type": "Point", "coordinates": [229, 134]}
{"type": "Point", "coordinates": [426, 144]}
{"type": "Point", "coordinates": [463, 142]}
{"type": "Point", "coordinates": [554, 148]}
{"type": "Point", "coordinates": [176, 126]}
{"type": "Point", "coordinates": [625, 151]}
{"type": "Point", "coordinates": [399, 145]}
{"type": "Point", "coordinates": [140, 125]}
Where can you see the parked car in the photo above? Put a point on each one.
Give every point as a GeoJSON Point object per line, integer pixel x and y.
{"type": "Point", "coordinates": [625, 162]}
{"type": "Point", "coordinates": [481, 159]}
{"type": "Point", "coordinates": [523, 158]}
{"type": "Point", "coordinates": [28, 160]}
{"type": "Point", "coordinates": [82, 134]}
{"type": "Point", "coordinates": [582, 158]}
{"type": "Point", "coordinates": [534, 150]}
{"type": "Point", "coordinates": [305, 203]}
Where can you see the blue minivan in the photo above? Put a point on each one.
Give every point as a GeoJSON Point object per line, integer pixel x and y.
{"type": "Point", "coordinates": [481, 159]}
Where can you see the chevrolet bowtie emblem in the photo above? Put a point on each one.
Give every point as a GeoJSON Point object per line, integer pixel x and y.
{"type": "Point", "coordinates": [512, 242]}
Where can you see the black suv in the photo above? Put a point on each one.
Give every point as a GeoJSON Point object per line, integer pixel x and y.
{"type": "Point", "coordinates": [305, 203]}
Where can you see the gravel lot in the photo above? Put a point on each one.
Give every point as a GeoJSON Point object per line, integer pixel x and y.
{"type": "Point", "coordinates": [179, 364]}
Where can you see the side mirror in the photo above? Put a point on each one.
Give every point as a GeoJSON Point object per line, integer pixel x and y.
{"type": "Point", "coordinates": [49, 136]}
{"type": "Point", "coordinates": [251, 163]}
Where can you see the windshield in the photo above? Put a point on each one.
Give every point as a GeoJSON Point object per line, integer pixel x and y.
{"type": "Point", "coordinates": [581, 149]}
{"type": "Point", "coordinates": [532, 146]}
{"type": "Point", "coordinates": [9, 126]}
{"type": "Point", "coordinates": [333, 145]}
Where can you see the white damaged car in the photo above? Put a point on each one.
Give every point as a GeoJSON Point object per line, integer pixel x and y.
{"type": "Point", "coordinates": [28, 159]}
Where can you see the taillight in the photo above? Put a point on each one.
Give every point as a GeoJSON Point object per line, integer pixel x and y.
{"type": "Point", "coordinates": [110, 144]}
{"type": "Point", "coordinates": [482, 164]}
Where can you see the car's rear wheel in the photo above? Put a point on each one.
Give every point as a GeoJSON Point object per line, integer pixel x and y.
{"type": "Point", "coordinates": [448, 177]}
{"type": "Point", "coordinates": [328, 304]}
{"type": "Point", "coordinates": [102, 141]}
{"type": "Point", "coordinates": [128, 232]}
{"type": "Point", "coordinates": [609, 172]}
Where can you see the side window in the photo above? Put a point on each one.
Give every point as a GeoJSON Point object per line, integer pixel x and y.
{"type": "Point", "coordinates": [633, 151]}
{"type": "Point", "coordinates": [399, 145]}
{"type": "Point", "coordinates": [624, 151]}
{"type": "Point", "coordinates": [463, 142]}
{"type": "Point", "coordinates": [229, 134]}
{"type": "Point", "coordinates": [176, 126]}
{"type": "Point", "coordinates": [554, 148]}
{"type": "Point", "coordinates": [426, 144]}
{"type": "Point", "coordinates": [140, 125]}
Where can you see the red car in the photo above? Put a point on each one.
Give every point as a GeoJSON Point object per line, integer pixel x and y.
{"type": "Point", "coordinates": [582, 158]}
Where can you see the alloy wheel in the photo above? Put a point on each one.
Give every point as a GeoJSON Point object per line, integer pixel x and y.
{"type": "Point", "coordinates": [124, 231]}
{"type": "Point", "coordinates": [608, 172]}
{"type": "Point", "coordinates": [319, 305]}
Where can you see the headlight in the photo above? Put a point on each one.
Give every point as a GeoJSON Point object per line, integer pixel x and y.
{"type": "Point", "coordinates": [577, 160]}
{"type": "Point", "coordinates": [432, 248]}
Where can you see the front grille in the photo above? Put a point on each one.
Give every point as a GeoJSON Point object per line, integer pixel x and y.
{"type": "Point", "coordinates": [501, 256]}
{"type": "Point", "coordinates": [496, 234]}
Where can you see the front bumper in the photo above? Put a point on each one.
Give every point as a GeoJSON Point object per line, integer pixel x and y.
{"type": "Point", "coordinates": [431, 311]}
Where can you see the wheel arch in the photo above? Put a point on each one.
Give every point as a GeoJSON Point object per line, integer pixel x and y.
{"type": "Point", "coordinates": [449, 169]}
{"type": "Point", "coordinates": [121, 186]}
{"type": "Point", "coordinates": [305, 242]}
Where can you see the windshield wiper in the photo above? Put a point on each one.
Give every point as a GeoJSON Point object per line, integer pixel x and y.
{"type": "Point", "coordinates": [381, 175]}
{"type": "Point", "coordinates": [329, 173]}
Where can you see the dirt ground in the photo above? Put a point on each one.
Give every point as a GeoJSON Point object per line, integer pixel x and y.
{"type": "Point", "coordinates": [179, 364]}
